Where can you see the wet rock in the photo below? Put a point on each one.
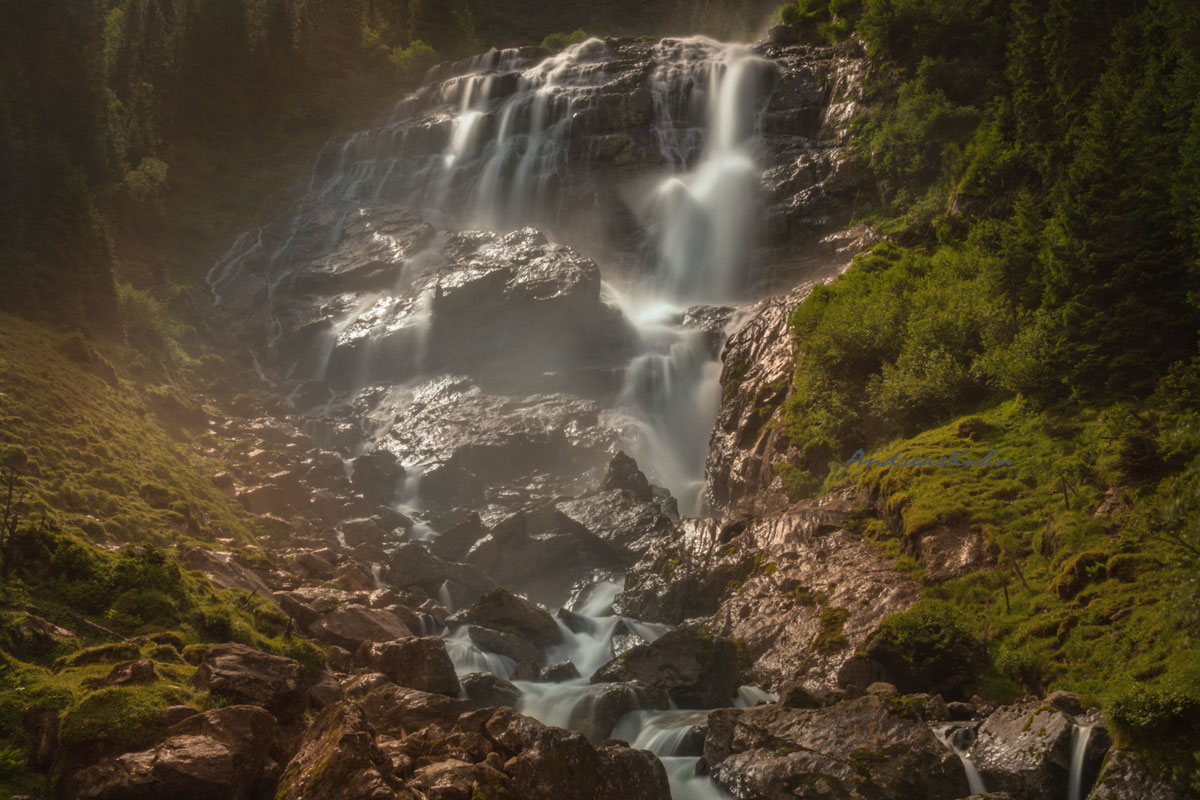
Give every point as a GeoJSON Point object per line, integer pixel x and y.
{"type": "Point", "coordinates": [395, 709]}
{"type": "Point", "coordinates": [339, 659]}
{"type": "Point", "coordinates": [960, 711]}
{"type": "Point", "coordinates": [623, 473]}
{"type": "Point", "coordinates": [574, 622]}
{"type": "Point", "coordinates": [350, 626]}
{"type": "Point", "coordinates": [221, 569]}
{"type": "Point", "coordinates": [377, 475]}
{"type": "Point", "coordinates": [882, 689]}
{"type": "Point", "coordinates": [453, 779]}
{"type": "Point", "coordinates": [246, 675]}
{"type": "Point", "coordinates": [557, 673]}
{"type": "Point", "coordinates": [220, 753]}
{"type": "Point", "coordinates": [748, 440]}
{"type": "Point", "coordinates": [697, 670]}
{"type": "Point", "coordinates": [338, 759]}
{"type": "Point", "coordinates": [519, 296]}
{"type": "Point", "coordinates": [513, 645]}
{"type": "Point", "coordinates": [416, 662]}
{"type": "Point", "coordinates": [363, 530]}
{"type": "Point", "coordinates": [354, 578]}
{"type": "Point", "coordinates": [312, 566]}
{"type": "Point", "coordinates": [1025, 750]}
{"type": "Point", "coordinates": [325, 691]}
{"type": "Point", "coordinates": [454, 543]}
{"type": "Point", "coordinates": [608, 703]}
{"type": "Point", "coordinates": [487, 690]}
{"type": "Point", "coordinates": [1125, 777]}
{"type": "Point", "coordinates": [849, 749]}
{"type": "Point", "coordinates": [795, 695]}
{"type": "Point", "coordinates": [303, 614]}
{"type": "Point", "coordinates": [541, 552]}
{"type": "Point", "coordinates": [500, 608]}
{"type": "Point", "coordinates": [550, 763]}
{"type": "Point", "coordinates": [622, 519]}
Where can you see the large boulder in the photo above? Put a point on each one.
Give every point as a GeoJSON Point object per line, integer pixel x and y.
{"type": "Point", "coordinates": [856, 748]}
{"type": "Point", "coordinates": [419, 662]}
{"type": "Point", "coordinates": [487, 690]}
{"type": "Point", "coordinates": [523, 298]}
{"type": "Point", "coordinates": [1125, 777]}
{"type": "Point", "coordinates": [245, 675]}
{"type": "Point", "coordinates": [623, 474]}
{"type": "Point", "coordinates": [338, 759]}
{"type": "Point", "coordinates": [377, 475]}
{"type": "Point", "coordinates": [620, 517]}
{"type": "Point", "coordinates": [548, 763]}
{"type": "Point", "coordinates": [1025, 750]}
{"type": "Point", "coordinates": [221, 569]}
{"type": "Point", "coordinates": [351, 625]}
{"type": "Point", "coordinates": [696, 669]}
{"type": "Point", "coordinates": [504, 643]}
{"type": "Point", "coordinates": [395, 709]}
{"type": "Point", "coordinates": [502, 609]}
{"type": "Point", "coordinates": [221, 753]}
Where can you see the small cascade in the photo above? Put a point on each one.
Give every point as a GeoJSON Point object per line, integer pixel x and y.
{"type": "Point", "coordinates": [958, 739]}
{"type": "Point", "coordinates": [468, 658]}
{"type": "Point", "coordinates": [674, 738]}
{"type": "Point", "coordinates": [1080, 735]}
{"type": "Point", "coordinates": [751, 696]}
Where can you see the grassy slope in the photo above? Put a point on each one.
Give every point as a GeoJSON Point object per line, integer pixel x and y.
{"type": "Point", "coordinates": [1102, 613]}
{"type": "Point", "coordinates": [110, 463]}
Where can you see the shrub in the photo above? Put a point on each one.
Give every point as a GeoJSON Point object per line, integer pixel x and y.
{"type": "Point", "coordinates": [560, 41]}
{"type": "Point", "coordinates": [146, 323]}
{"type": "Point", "coordinates": [1152, 711]}
{"type": "Point", "coordinates": [411, 62]}
{"type": "Point", "coordinates": [929, 642]}
{"type": "Point", "coordinates": [1023, 666]}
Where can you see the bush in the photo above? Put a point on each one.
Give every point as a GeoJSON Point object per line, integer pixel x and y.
{"type": "Point", "coordinates": [560, 41]}
{"type": "Point", "coordinates": [412, 62]}
{"type": "Point", "coordinates": [146, 323]}
{"type": "Point", "coordinates": [1023, 666]}
{"type": "Point", "coordinates": [1153, 711]}
{"type": "Point", "coordinates": [927, 644]}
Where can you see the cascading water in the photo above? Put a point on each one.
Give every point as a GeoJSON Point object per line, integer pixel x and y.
{"type": "Point", "coordinates": [958, 738]}
{"type": "Point", "coordinates": [707, 100]}
{"type": "Point", "coordinates": [498, 146]}
{"type": "Point", "coordinates": [1080, 735]}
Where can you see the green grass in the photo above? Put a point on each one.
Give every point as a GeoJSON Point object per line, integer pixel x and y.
{"type": "Point", "coordinates": [111, 464]}
{"type": "Point", "coordinates": [1104, 613]}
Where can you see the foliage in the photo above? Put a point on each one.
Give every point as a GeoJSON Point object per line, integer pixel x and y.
{"type": "Point", "coordinates": [560, 41]}
{"type": "Point", "coordinates": [931, 638]}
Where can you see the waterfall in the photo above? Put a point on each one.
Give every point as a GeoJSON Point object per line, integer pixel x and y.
{"type": "Point", "coordinates": [1080, 735]}
{"type": "Point", "coordinates": [670, 735]}
{"type": "Point", "coordinates": [708, 98]}
{"type": "Point", "coordinates": [502, 142]}
{"type": "Point", "coordinates": [958, 739]}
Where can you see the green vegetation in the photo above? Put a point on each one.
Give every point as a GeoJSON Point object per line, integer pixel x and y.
{"type": "Point", "coordinates": [559, 41]}
{"type": "Point", "coordinates": [108, 485]}
{"type": "Point", "coordinates": [1037, 295]}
